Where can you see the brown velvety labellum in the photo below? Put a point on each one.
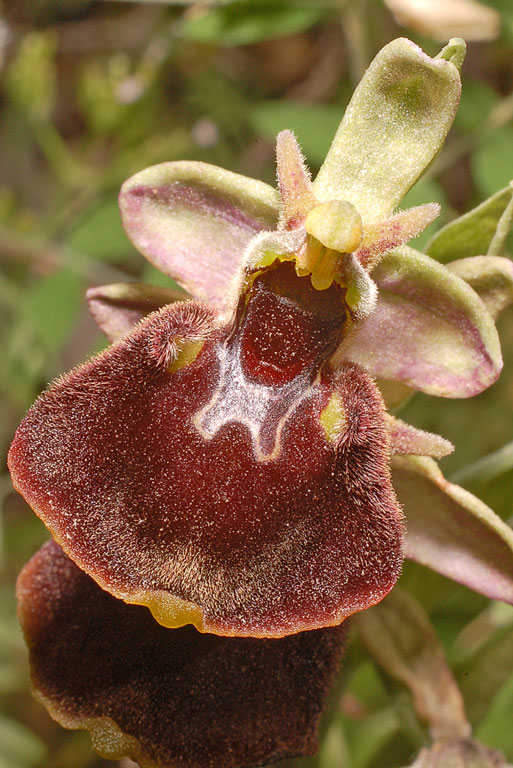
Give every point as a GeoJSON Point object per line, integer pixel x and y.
{"type": "Point", "coordinates": [168, 698]}
{"type": "Point", "coordinates": [216, 494]}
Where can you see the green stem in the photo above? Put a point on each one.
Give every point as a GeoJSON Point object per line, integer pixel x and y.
{"type": "Point", "coordinates": [354, 29]}
{"type": "Point", "coordinates": [497, 245]}
{"type": "Point", "coordinates": [59, 158]}
{"type": "Point", "coordinates": [488, 468]}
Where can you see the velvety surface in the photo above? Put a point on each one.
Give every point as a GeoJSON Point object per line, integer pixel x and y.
{"type": "Point", "coordinates": [177, 697]}
{"type": "Point", "coordinates": [213, 493]}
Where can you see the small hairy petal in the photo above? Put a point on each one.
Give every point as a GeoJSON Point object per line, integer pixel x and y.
{"type": "Point", "coordinates": [164, 697]}
{"type": "Point", "coordinates": [395, 123]}
{"type": "Point", "coordinates": [194, 220]}
{"type": "Point", "coordinates": [453, 532]}
{"type": "Point", "coordinates": [406, 439]}
{"type": "Point", "coordinates": [294, 182]}
{"type": "Point", "coordinates": [386, 235]}
{"type": "Point", "coordinates": [118, 307]}
{"type": "Point", "coordinates": [149, 485]}
{"type": "Point", "coordinates": [429, 330]}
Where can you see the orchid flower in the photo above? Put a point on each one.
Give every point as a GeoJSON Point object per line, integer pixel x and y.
{"type": "Point", "coordinates": [227, 462]}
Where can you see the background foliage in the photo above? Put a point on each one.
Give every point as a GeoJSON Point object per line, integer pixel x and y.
{"type": "Point", "coordinates": [92, 92]}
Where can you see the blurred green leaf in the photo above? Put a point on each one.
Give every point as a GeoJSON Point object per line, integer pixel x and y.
{"type": "Point", "coordinates": [367, 736]}
{"type": "Point", "coordinates": [120, 95]}
{"type": "Point", "coordinates": [477, 101]}
{"type": "Point", "coordinates": [19, 747]}
{"type": "Point", "coordinates": [424, 191]}
{"type": "Point", "coordinates": [13, 675]}
{"type": "Point", "coordinates": [314, 124]}
{"type": "Point", "coordinates": [366, 684]}
{"type": "Point", "coordinates": [53, 305]}
{"type": "Point", "coordinates": [492, 162]}
{"type": "Point", "coordinates": [473, 233]}
{"type": "Point", "coordinates": [505, 8]}
{"type": "Point", "coordinates": [334, 749]}
{"type": "Point", "coordinates": [100, 234]}
{"type": "Point", "coordinates": [488, 468]}
{"type": "Point", "coordinates": [24, 359]}
{"type": "Point", "coordinates": [97, 92]}
{"type": "Point", "coordinates": [496, 727]}
{"type": "Point", "coordinates": [31, 78]}
{"type": "Point", "coordinates": [482, 674]}
{"type": "Point", "coordinates": [220, 101]}
{"type": "Point", "coordinates": [249, 21]}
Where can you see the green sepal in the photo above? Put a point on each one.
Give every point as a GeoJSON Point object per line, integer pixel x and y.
{"type": "Point", "coordinates": [491, 277]}
{"type": "Point", "coordinates": [434, 333]}
{"type": "Point", "coordinates": [474, 233]}
{"type": "Point", "coordinates": [394, 125]}
{"type": "Point", "coordinates": [452, 531]}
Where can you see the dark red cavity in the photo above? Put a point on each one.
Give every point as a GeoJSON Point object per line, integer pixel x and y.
{"type": "Point", "coordinates": [289, 326]}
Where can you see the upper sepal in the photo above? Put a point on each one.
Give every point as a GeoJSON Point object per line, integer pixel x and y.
{"type": "Point", "coordinates": [453, 532]}
{"type": "Point", "coordinates": [193, 221]}
{"type": "Point", "coordinates": [168, 698]}
{"type": "Point", "coordinates": [394, 125]}
{"type": "Point", "coordinates": [434, 332]}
